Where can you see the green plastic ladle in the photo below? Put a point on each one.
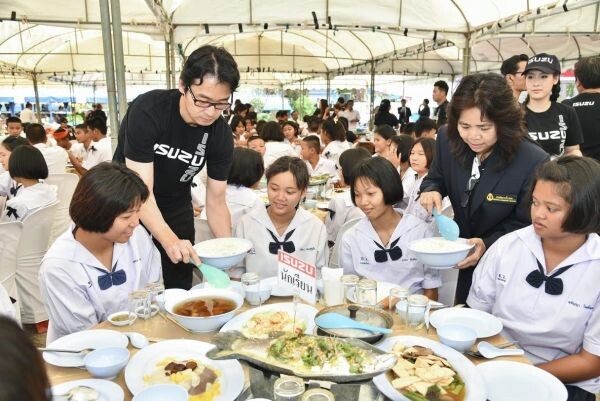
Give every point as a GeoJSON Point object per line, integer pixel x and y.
{"type": "Point", "coordinates": [216, 277]}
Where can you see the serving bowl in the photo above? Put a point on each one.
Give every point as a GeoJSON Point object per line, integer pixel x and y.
{"type": "Point", "coordinates": [223, 253]}
{"type": "Point", "coordinates": [456, 336]}
{"type": "Point", "coordinates": [174, 297]}
{"type": "Point", "coordinates": [162, 392]}
{"type": "Point", "coordinates": [439, 253]}
{"type": "Point", "coordinates": [106, 363]}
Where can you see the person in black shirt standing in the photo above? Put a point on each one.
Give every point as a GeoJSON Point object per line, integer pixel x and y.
{"type": "Point", "coordinates": [554, 126]}
{"type": "Point", "coordinates": [384, 116]}
{"type": "Point", "coordinates": [404, 112]}
{"type": "Point", "coordinates": [440, 94]}
{"type": "Point", "coordinates": [167, 137]}
{"type": "Point", "coordinates": [587, 104]}
{"type": "Point", "coordinates": [424, 109]}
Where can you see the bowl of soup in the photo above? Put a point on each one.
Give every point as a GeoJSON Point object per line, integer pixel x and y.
{"type": "Point", "coordinates": [202, 310]}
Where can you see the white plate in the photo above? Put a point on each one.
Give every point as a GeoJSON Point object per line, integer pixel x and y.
{"type": "Point", "coordinates": [305, 312]}
{"type": "Point", "coordinates": [514, 381]}
{"type": "Point", "coordinates": [108, 390]}
{"type": "Point", "coordinates": [80, 340]}
{"type": "Point", "coordinates": [474, 383]}
{"type": "Point", "coordinates": [144, 362]}
{"type": "Point", "coordinates": [484, 324]}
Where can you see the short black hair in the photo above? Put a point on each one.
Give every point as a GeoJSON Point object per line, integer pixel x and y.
{"type": "Point", "coordinates": [426, 101]}
{"type": "Point", "coordinates": [81, 126]}
{"type": "Point", "coordinates": [366, 145]}
{"type": "Point", "coordinates": [212, 61]}
{"type": "Point", "coordinates": [349, 159]}
{"type": "Point", "coordinates": [63, 120]}
{"type": "Point", "coordinates": [253, 138]}
{"type": "Point", "coordinates": [511, 64]}
{"type": "Point", "coordinates": [409, 128]}
{"type": "Point", "coordinates": [35, 133]}
{"type": "Point", "coordinates": [27, 162]}
{"type": "Point", "coordinates": [313, 142]}
{"type": "Point", "coordinates": [103, 193]}
{"type": "Point", "coordinates": [344, 122]}
{"type": "Point", "coordinates": [235, 121]}
{"type": "Point", "coordinates": [587, 72]}
{"type": "Point", "coordinates": [334, 131]}
{"type": "Point", "coordinates": [13, 142]}
{"type": "Point", "coordinates": [385, 131]}
{"type": "Point", "coordinates": [247, 168]}
{"type": "Point", "coordinates": [428, 145]}
{"type": "Point", "coordinates": [291, 124]}
{"type": "Point", "coordinates": [13, 119]}
{"type": "Point", "coordinates": [442, 85]}
{"type": "Point", "coordinates": [579, 185]}
{"type": "Point", "coordinates": [404, 144]}
{"type": "Point", "coordinates": [424, 124]}
{"type": "Point", "coordinates": [314, 123]}
{"type": "Point", "coordinates": [281, 113]}
{"type": "Point", "coordinates": [294, 165]}
{"type": "Point", "coordinates": [381, 173]}
{"type": "Point", "coordinates": [98, 123]}
{"type": "Point", "coordinates": [272, 132]}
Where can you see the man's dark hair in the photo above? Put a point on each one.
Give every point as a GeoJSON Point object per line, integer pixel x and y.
{"type": "Point", "coordinates": [247, 168]}
{"type": "Point", "coordinates": [442, 85]}
{"type": "Point", "coordinates": [587, 72]}
{"type": "Point", "coordinates": [272, 132]}
{"type": "Point", "coordinates": [13, 119]}
{"type": "Point", "coordinates": [424, 124]}
{"type": "Point", "coordinates": [313, 142]}
{"type": "Point", "coordinates": [349, 159]}
{"type": "Point", "coordinates": [13, 142]}
{"type": "Point", "coordinates": [35, 133]}
{"type": "Point", "coordinates": [97, 123]}
{"type": "Point", "coordinates": [212, 61]}
{"type": "Point", "coordinates": [404, 144]}
{"type": "Point", "coordinates": [511, 64]}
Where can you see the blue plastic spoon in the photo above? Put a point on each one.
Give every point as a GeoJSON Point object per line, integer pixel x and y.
{"type": "Point", "coordinates": [337, 321]}
{"type": "Point", "coordinates": [217, 278]}
{"type": "Point", "coordinates": [446, 226]}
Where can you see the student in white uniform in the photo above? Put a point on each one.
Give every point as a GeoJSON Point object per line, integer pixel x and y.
{"type": "Point", "coordinates": [28, 168]}
{"type": "Point", "coordinates": [341, 208]}
{"type": "Point", "coordinates": [100, 150]}
{"type": "Point", "coordinates": [542, 281]}
{"type": "Point", "coordinates": [291, 132]}
{"type": "Point", "coordinates": [377, 246]}
{"type": "Point", "coordinates": [275, 147]}
{"type": "Point", "coordinates": [244, 175]}
{"type": "Point", "coordinates": [56, 157]}
{"type": "Point", "coordinates": [283, 224]}
{"type": "Point", "coordinates": [89, 271]}
{"type": "Point", "coordinates": [81, 150]}
{"type": "Point", "coordinates": [382, 140]}
{"type": "Point", "coordinates": [9, 187]}
{"type": "Point", "coordinates": [400, 157]}
{"type": "Point", "coordinates": [255, 142]}
{"type": "Point", "coordinates": [333, 136]}
{"type": "Point", "coordinates": [317, 165]}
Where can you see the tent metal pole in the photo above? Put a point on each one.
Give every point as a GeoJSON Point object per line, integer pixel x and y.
{"type": "Point", "coordinates": [466, 67]}
{"type": "Point", "coordinates": [328, 89]}
{"type": "Point", "coordinates": [168, 64]}
{"type": "Point", "coordinates": [372, 97]}
{"type": "Point", "coordinates": [38, 111]}
{"type": "Point", "coordinates": [282, 97]}
{"type": "Point", "coordinates": [172, 49]}
{"type": "Point", "coordinates": [117, 31]}
{"type": "Point", "coordinates": [109, 69]}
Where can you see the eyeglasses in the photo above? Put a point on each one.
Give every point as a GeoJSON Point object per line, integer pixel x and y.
{"type": "Point", "coordinates": [203, 104]}
{"type": "Point", "coordinates": [466, 196]}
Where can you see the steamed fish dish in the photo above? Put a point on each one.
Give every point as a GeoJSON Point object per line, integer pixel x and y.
{"type": "Point", "coordinates": [306, 356]}
{"type": "Point", "coordinates": [263, 324]}
{"type": "Point", "coordinates": [200, 381]}
{"type": "Point", "coordinates": [419, 375]}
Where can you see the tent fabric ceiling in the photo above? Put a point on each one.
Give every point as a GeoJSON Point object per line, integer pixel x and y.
{"type": "Point", "coordinates": [279, 42]}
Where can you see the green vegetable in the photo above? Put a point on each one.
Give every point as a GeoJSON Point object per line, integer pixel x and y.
{"type": "Point", "coordinates": [457, 389]}
{"type": "Point", "coordinates": [414, 396]}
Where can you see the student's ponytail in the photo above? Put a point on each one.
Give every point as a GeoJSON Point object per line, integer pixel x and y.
{"type": "Point", "coordinates": [555, 91]}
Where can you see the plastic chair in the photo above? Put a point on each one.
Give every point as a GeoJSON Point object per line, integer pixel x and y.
{"type": "Point", "coordinates": [447, 292]}
{"type": "Point", "coordinates": [66, 184]}
{"type": "Point", "coordinates": [10, 234]}
{"type": "Point", "coordinates": [333, 258]}
{"type": "Point", "coordinates": [202, 229]}
{"type": "Point", "coordinates": [32, 248]}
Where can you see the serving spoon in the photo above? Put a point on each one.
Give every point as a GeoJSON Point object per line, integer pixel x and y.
{"type": "Point", "coordinates": [336, 321]}
{"type": "Point", "coordinates": [216, 277]}
{"type": "Point", "coordinates": [446, 226]}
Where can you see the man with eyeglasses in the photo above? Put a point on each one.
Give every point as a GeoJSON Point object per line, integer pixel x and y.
{"type": "Point", "coordinates": [512, 69]}
{"type": "Point", "coordinates": [167, 137]}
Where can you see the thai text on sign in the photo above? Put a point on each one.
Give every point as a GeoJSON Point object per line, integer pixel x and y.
{"type": "Point", "coordinates": [297, 276]}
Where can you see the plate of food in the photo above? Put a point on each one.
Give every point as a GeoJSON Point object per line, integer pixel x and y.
{"type": "Point", "coordinates": [427, 370]}
{"type": "Point", "coordinates": [81, 340]}
{"type": "Point", "coordinates": [184, 362]}
{"type": "Point", "coordinates": [88, 389]}
{"type": "Point", "coordinates": [306, 356]}
{"type": "Point", "coordinates": [484, 324]}
{"type": "Point", "coordinates": [318, 179]}
{"type": "Point", "coordinates": [261, 322]}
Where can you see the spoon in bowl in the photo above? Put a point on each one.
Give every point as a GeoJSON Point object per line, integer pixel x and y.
{"type": "Point", "coordinates": [216, 277]}
{"type": "Point", "coordinates": [137, 340]}
{"type": "Point", "coordinates": [446, 226]}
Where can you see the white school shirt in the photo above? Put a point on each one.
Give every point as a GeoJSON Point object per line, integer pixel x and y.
{"type": "Point", "coordinates": [6, 306]}
{"type": "Point", "coordinates": [55, 156]}
{"type": "Point", "coordinates": [28, 200]}
{"type": "Point", "coordinates": [357, 255]}
{"type": "Point", "coordinates": [350, 115]}
{"type": "Point", "coordinates": [297, 148]}
{"type": "Point", "coordinates": [548, 327]}
{"type": "Point", "coordinates": [275, 150]}
{"type": "Point", "coordinates": [341, 210]}
{"type": "Point", "coordinates": [414, 205]}
{"type": "Point", "coordinates": [309, 238]}
{"type": "Point", "coordinates": [324, 166]}
{"type": "Point", "coordinates": [9, 187]}
{"type": "Point", "coordinates": [334, 149]}
{"type": "Point", "coordinates": [79, 151]}
{"type": "Point", "coordinates": [240, 200]}
{"type": "Point", "coordinates": [408, 183]}
{"type": "Point", "coordinates": [27, 116]}
{"type": "Point", "coordinates": [98, 152]}
{"type": "Point", "coordinates": [69, 280]}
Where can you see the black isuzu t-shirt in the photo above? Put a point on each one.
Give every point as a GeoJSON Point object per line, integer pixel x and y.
{"type": "Point", "coordinates": [554, 128]}
{"type": "Point", "coordinates": [154, 131]}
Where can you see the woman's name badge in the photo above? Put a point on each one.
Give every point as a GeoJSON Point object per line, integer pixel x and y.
{"type": "Point", "coordinates": [501, 198]}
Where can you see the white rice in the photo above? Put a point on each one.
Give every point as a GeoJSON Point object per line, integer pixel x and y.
{"type": "Point", "coordinates": [438, 245]}
{"type": "Point", "coordinates": [221, 247]}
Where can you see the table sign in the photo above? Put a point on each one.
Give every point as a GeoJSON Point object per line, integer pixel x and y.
{"type": "Point", "coordinates": [297, 276]}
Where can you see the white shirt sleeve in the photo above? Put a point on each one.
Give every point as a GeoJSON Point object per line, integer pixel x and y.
{"type": "Point", "coordinates": [345, 254]}
{"type": "Point", "coordinates": [482, 295]}
{"type": "Point", "coordinates": [322, 248]}
{"type": "Point", "coordinates": [591, 336]}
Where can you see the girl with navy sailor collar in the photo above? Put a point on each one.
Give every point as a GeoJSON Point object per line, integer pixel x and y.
{"type": "Point", "coordinates": [8, 186]}
{"type": "Point", "coordinates": [89, 270]}
{"type": "Point", "coordinates": [282, 224]}
{"type": "Point", "coordinates": [377, 246]}
{"type": "Point", "coordinates": [542, 280]}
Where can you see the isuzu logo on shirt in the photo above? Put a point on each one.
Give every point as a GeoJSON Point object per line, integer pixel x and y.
{"type": "Point", "coordinates": [194, 161]}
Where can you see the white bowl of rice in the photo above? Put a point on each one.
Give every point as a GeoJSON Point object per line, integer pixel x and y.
{"type": "Point", "coordinates": [223, 253]}
{"type": "Point", "coordinates": [439, 253]}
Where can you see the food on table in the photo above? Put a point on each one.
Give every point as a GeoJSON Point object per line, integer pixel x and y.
{"type": "Point", "coordinates": [306, 356]}
{"type": "Point", "coordinates": [438, 245]}
{"type": "Point", "coordinates": [221, 247]}
{"type": "Point", "coordinates": [262, 324]}
{"type": "Point", "coordinates": [204, 307]}
{"type": "Point", "coordinates": [420, 375]}
{"type": "Point", "coordinates": [200, 381]}
{"type": "Point", "coordinates": [318, 179]}
{"type": "Point", "coordinates": [122, 317]}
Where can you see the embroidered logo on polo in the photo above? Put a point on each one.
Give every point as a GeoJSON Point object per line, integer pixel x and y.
{"type": "Point", "coordinates": [501, 198]}
{"type": "Point", "coordinates": [194, 161]}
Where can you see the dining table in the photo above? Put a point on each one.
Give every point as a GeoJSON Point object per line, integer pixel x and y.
{"type": "Point", "coordinates": [162, 327]}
